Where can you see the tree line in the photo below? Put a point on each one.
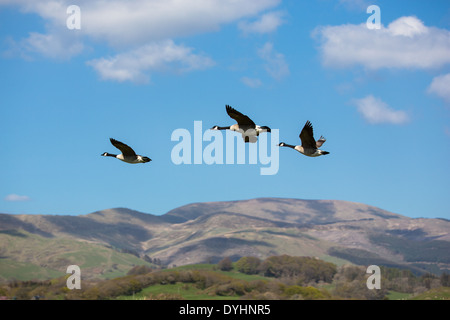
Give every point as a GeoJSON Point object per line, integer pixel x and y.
{"type": "Point", "coordinates": [304, 269]}
{"type": "Point", "coordinates": [281, 277]}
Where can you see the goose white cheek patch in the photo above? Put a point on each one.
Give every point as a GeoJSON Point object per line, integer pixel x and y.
{"type": "Point", "coordinates": [209, 148]}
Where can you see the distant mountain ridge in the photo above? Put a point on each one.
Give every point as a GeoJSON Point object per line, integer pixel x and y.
{"type": "Point", "coordinates": [333, 230]}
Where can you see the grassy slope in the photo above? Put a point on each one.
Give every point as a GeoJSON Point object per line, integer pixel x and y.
{"type": "Point", "coordinates": [442, 293]}
{"type": "Point", "coordinates": [37, 257]}
{"type": "Point", "coordinates": [189, 291]}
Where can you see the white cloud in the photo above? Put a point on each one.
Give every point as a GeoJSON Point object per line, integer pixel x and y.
{"type": "Point", "coordinates": [355, 4]}
{"type": "Point", "coordinates": [441, 87]}
{"type": "Point", "coordinates": [375, 111]}
{"type": "Point", "coordinates": [135, 65]}
{"type": "Point", "coordinates": [251, 82]}
{"type": "Point", "coordinates": [407, 26]}
{"type": "Point", "coordinates": [275, 63]}
{"type": "Point", "coordinates": [52, 45]}
{"type": "Point", "coordinates": [405, 43]}
{"type": "Point", "coordinates": [267, 23]}
{"type": "Point", "coordinates": [136, 22]}
{"type": "Point", "coordinates": [125, 22]}
{"type": "Point", "coordinates": [16, 198]}
{"type": "Point", "coordinates": [150, 27]}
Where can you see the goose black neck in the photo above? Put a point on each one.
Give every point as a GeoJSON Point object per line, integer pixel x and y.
{"type": "Point", "coordinates": [106, 154]}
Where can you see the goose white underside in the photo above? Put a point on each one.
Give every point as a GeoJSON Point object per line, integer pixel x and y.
{"type": "Point", "coordinates": [138, 159]}
{"type": "Point", "coordinates": [249, 135]}
{"type": "Point", "coordinates": [309, 152]}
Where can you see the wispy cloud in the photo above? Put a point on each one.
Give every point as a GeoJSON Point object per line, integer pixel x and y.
{"type": "Point", "coordinates": [124, 23]}
{"type": "Point", "coordinates": [275, 63]}
{"type": "Point", "coordinates": [136, 65]}
{"type": "Point", "coordinates": [267, 23]}
{"type": "Point", "coordinates": [440, 86]}
{"type": "Point", "coordinates": [61, 45]}
{"type": "Point", "coordinates": [404, 43]}
{"type": "Point", "coordinates": [355, 4]}
{"type": "Point", "coordinates": [16, 198]}
{"type": "Point", "coordinates": [251, 82]}
{"type": "Point", "coordinates": [375, 111]}
{"type": "Point", "coordinates": [151, 28]}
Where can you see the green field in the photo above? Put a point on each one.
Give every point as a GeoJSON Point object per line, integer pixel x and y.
{"type": "Point", "coordinates": [201, 282]}
{"type": "Point", "coordinates": [175, 291]}
{"type": "Point", "coordinates": [190, 291]}
{"type": "Point", "coordinates": [37, 257]}
{"type": "Point", "coordinates": [212, 267]}
{"type": "Point", "coordinates": [442, 293]}
{"type": "Point", "coordinates": [10, 269]}
{"type": "Point", "coordinates": [393, 295]}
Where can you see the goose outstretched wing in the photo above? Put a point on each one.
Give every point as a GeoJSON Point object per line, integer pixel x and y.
{"type": "Point", "coordinates": [240, 118]}
{"type": "Point", "coordinates": [320, 142]}
{"type": "Point", "coordinates": [126, 150]}
{"type": "Point", "coordinates": [307, 136]}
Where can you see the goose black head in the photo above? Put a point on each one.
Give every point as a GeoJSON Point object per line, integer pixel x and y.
{"type": "Point", "coordinates": [266, 128]}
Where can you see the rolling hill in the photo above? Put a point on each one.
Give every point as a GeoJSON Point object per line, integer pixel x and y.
{"type": "Point", "coordinates": [109, 242]}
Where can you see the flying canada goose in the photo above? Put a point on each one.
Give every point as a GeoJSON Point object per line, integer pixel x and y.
{"type": "Point", "coordinates": [310, 147]}
{"type": "Point", "coordinates": [128, 155]}
{"type": "Point", "coordinates": [249, 130]}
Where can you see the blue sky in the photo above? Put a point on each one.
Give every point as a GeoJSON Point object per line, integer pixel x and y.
{"type": "Point", "coordinates": [139, 70]}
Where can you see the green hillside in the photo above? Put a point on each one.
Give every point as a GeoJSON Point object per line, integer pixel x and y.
{"type": "Point", "coordinates": [107, 243]}
{"type": "Point", "coordinates": [441, 293]}
{"type": "Point", "coordinates": [38, 257]}
{"type": "Point", "coordinates": [277, 277]}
